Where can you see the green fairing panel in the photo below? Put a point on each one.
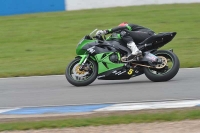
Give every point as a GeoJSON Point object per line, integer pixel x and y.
{"type": "Point", "coordinates": [79, 50]}
{"type": "Point", "coordinates": [104, 64]}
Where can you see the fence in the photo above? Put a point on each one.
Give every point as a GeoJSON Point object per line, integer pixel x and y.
{"type": "Point", "coordinates": [12, 7]}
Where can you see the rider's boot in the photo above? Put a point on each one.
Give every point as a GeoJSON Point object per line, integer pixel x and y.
{"type": "Point", "coordinates": [135, 51]}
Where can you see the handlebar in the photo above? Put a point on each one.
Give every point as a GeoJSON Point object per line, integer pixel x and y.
{"type": "Point", "coordinates": [98, 37]}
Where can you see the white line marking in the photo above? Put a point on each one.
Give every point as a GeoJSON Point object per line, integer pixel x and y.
{"type": "Point", "coordinates": [124, 102]}
{"type": "Point", "coordinates": [151, 105]}
{"type": "Point", "coordinates": [6, 110]}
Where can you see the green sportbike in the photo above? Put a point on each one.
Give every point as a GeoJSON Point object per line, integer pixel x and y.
{"type": "Point", "coordinates": [103, 58]}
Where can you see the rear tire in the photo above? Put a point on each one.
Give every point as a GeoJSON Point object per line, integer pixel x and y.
{"type": "Point", "coordinates": [77, 79]}
{"type": "Point", "coordinates": [164, 74]}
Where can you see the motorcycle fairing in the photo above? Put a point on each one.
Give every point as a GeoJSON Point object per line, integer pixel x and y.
{"type": "Point", "coordinates": [104, 63]}
{"type": "Point", "coordinates": [121, 73]}
{"type": "Point", "coordinates": [106, 46]}
{"type": "Point", "coordinates": [156, 41]}
{"type": "Point", "coordinates": [116, 74]}
{"type": "Point", "coordinates": [102, 52]}
{"type": "Point", "coordinates": [81, 44]}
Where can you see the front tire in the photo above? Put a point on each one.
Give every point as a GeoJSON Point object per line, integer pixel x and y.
{"type": "Point", "coordinates": [81, 78]}
{"type": "Point", "coordinates": [166, 73]}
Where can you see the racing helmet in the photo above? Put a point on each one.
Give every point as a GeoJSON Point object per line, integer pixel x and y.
{"type": "Point", "coordinates": [123, 24]}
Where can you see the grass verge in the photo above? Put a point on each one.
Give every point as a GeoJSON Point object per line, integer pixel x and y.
{"type": "Point", "coordinates": [44, 43]}
{"type": "Point", "coordinates": [144, 117]}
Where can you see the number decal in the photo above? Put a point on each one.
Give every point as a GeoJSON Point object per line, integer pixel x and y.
{"type": "Point", "coordinates": [130, 71]}
{"type": "Point", "coordinates": [91, 50]}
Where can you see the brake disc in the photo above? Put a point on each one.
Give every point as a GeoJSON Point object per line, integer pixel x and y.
{"type": "Point", "coordinates": [77, 72]}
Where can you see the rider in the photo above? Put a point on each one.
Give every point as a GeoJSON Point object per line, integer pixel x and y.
{"type": "Point", "coordinates": [132, 34]}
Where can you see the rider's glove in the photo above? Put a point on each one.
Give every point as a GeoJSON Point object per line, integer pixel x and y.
{"type": "Point", "coordinates": [101, 32]}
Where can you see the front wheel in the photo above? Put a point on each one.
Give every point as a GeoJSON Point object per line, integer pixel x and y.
{"type": "Point", "coordinates": [166, 70]}
{"type": "Point", "coordinates": [84, 77]}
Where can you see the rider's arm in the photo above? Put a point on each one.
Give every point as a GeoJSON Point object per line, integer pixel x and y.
{"type": "Point", "coordinates": [118, 28]}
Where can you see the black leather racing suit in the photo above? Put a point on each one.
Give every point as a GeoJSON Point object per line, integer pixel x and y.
{"type": "Point", "coordinates": [132, 32]}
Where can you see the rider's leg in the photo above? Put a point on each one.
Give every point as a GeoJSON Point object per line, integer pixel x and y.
{"type": "Point", "coordinates": [140, 36]}
{"type": "Point", "coordinates": [134, 49]}
{"type": "Point", "coordinates": [137, 37]}
{"type": "Point", "coordinates": [130, 44]}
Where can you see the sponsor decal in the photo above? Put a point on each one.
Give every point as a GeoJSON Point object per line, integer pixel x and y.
{"type": "Point", "coordinates": [136, 71]}
{"type": "Point", "coordinates": [118, 72]}
{"type": "Point", "coordinates": [91, 50]}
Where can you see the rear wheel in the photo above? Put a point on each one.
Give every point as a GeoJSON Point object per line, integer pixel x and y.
{"type": "Point", "coordinates": [84, 77]}
{"type": "Point", "coordinates": [166, 70]}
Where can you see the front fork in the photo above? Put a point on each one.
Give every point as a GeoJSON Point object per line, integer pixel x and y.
{"type": "Point", "coordinates": [82, 61]}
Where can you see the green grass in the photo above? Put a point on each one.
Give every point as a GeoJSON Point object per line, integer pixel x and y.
{"type": "Point", "coordinates": [43, 44]}
{"type": "Point", "coordinates": [177, 115]}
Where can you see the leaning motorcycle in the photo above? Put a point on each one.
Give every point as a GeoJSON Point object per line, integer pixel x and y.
{"type": "Point", "coordinates": [103, 58]}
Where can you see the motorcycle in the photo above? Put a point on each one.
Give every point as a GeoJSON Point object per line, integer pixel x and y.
{"type": "Point", "coordinates": [103, 58]}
